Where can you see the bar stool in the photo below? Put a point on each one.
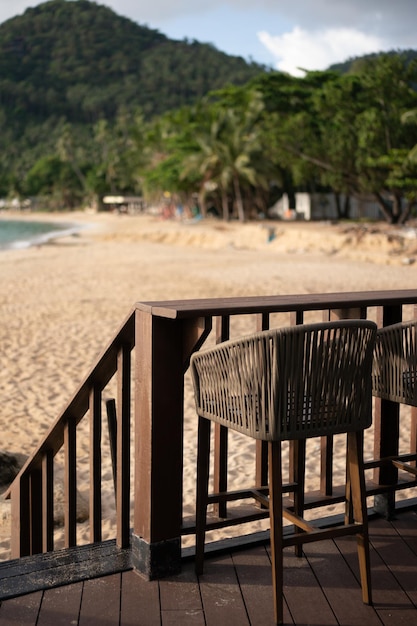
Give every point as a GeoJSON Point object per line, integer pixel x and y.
{"type": "Point", "coordinates": [394, 374]}
{"type": "Point", "coordinates": [294, 383]}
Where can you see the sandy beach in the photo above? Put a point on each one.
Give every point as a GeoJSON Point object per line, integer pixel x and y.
{"type": "Point", "coordinates": [62, 302]}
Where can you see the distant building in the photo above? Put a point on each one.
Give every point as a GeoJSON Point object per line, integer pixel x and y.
{"type": "Point", "coordinates": [322, 206]}
{"type": "Point", "coordinates": [124, 204]}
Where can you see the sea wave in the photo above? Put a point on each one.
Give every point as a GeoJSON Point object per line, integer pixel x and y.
{"type": "Point", "coordinates": [21, 234]}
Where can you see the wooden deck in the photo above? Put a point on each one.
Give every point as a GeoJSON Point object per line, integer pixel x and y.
{"type": "Point", "coordinates": [321, 589]}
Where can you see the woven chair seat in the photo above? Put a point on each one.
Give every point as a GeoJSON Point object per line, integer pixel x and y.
{"type": "Point", "coordinates": [394, 374]}
{"type": "Point", "coordinates": [288, 383]}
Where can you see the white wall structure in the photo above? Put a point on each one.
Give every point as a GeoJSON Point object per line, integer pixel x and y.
{"type": "Point", "coordinates": [322, 206]}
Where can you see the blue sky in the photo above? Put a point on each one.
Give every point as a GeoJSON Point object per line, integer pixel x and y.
{"type": "Point", "coordinates": [286, 35]}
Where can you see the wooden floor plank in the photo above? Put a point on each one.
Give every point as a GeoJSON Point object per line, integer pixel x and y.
{"type": "Point", "coordinates": [220, 592]}
{"type": "Point", "coordinates": [394, 576]}
{"type": "Point", "coordinates": [22, 611]}
{"type": "Point", "coordinates": [180, 599]}
{"type": "Point", "coordinates": [183, 618]}
{"type": "Point", "coordinates": [253, 569]}
{"type": "Point", "coordinates": [339, 585]}
{"type": "Point", "coordinates": [100, 603]}
{"type": "Point", "coordinates": [181, 592]}
{"type": "Point", "coordinates": [61, 606]}
{"type": "Point", "coordinates": [389, 599]}
{"type": "Point", "coordinates": [306, 600]}
{"type": "Point", "coordinates": [321, 589]}
{"type": "Point", "coordinates": [406, 526]}
{"type": "Point", "coordinates": [139, 601]}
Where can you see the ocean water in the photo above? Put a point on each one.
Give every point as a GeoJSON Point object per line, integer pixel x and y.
{"type": "Point", "coordinates": [23, 234]}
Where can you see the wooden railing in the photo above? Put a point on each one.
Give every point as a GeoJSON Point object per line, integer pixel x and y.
{"type": "Point", "coordinates": [165, 335]}
{"type": "Point", "coordinates": [32, 492]}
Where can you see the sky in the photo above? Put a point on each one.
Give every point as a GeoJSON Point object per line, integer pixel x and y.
{"type": "Point", "coordinates": [288, 35]}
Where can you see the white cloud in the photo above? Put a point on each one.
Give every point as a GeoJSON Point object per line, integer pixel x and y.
{"type": "Point", "coordinates": [316, 50]}
{"type": "Point", "coordinates": [300, 33]}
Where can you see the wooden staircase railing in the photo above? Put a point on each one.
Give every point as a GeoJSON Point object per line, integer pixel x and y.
{"type": "Point", "coordinates": [32, 492]}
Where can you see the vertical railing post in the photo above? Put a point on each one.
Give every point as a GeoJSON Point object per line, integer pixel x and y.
{"type": "Point", "coordinates": [261, 458]}
{"type": "Point", "coordinates": [413, 433]}
{"type": "Point", "coordinates": [221, 433]}
{"type": "Point", "coordinates": [386, 431]}
{"type": "Point", "coordinates": [112, 426]}
{"type": "Point", "coordinates": [294, 456]}
{"type": "Point", "coordinates": [326, 444]}
{"type": "Point", "coordinates": [156, 543]}
{"type": "Point", "coordinates": [35, 482]}
{"type": "Point", "coordinates": [413, 417]}
{"type": "Point", "coordinates": [123, 447]}
{"type": "Point", "coordinates": [20, 518]}
{"type": "Point", "coordinates": [95, 464]}
{"type": "Point", "coordinates": [70, 484]}
{"type": "Point", "coordinates": [47, 501]}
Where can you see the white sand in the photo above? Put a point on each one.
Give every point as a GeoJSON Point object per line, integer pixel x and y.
{"type": "Point", "coordinates": [61, 303]}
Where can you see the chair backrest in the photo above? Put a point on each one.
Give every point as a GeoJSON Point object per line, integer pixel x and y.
{"type": "Point", "coordinates": [394, 373]}
{"type": "Point", "coordinates": [289, 383]}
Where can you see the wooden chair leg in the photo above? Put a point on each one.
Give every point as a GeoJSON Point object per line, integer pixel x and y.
{"type": "Point", "coordinates": [348, 490]}
{"type": "Point", "coordinates": [203, 468]}
{"type": "Point", "coordinates": [275, 513]}
{"type": "Point", "coordinates": [358, 496]}
{"type": "Point", "coordinates": [299, 463]}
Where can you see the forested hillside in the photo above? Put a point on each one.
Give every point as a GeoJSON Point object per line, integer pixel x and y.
{"type": "Point", "coordinates": [81, 60]}
{"type": "Point", "coordinates": [355, 64]}
{"type": "Point", "coordinates": [66, 65]}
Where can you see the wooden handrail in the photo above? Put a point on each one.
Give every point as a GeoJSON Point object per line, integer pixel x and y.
{"type": "Point", "coordinates": [75, 410]}
{"type": "Point", "coordinates": [213, 307]}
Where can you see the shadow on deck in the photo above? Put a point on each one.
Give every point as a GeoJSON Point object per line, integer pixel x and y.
{"type": "Point", "coordinates": [320, 589]}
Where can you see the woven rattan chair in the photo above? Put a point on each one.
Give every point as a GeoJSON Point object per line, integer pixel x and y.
{"type": "Point", "coordinates": [394, 374]}
{"type": "Point", "coordinates": [290, 384]}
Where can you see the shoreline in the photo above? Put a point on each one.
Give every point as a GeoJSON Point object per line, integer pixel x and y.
{"type": "Point", "coordinates": [374, 242]}
{"type": "Point", "coordinates": [63, 229]}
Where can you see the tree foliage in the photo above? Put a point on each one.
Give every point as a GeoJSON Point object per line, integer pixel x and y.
{"type": "Point", "coordinates": [73, 64]}
{"type": "Point", "coordinates": [82, 61]}
{"type": "Point", "coordinates": [92, 103]}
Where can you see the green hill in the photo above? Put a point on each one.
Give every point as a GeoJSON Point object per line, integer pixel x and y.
{"type": "Point", "coordinates": [81, 60]}
{"type": "Point", "coordinates": [355, 63]}
{"type": "Point", "coordinates": [65, 65]}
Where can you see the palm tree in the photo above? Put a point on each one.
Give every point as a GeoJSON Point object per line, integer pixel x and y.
{"type": "Point", "coordinates": [228, 155]}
